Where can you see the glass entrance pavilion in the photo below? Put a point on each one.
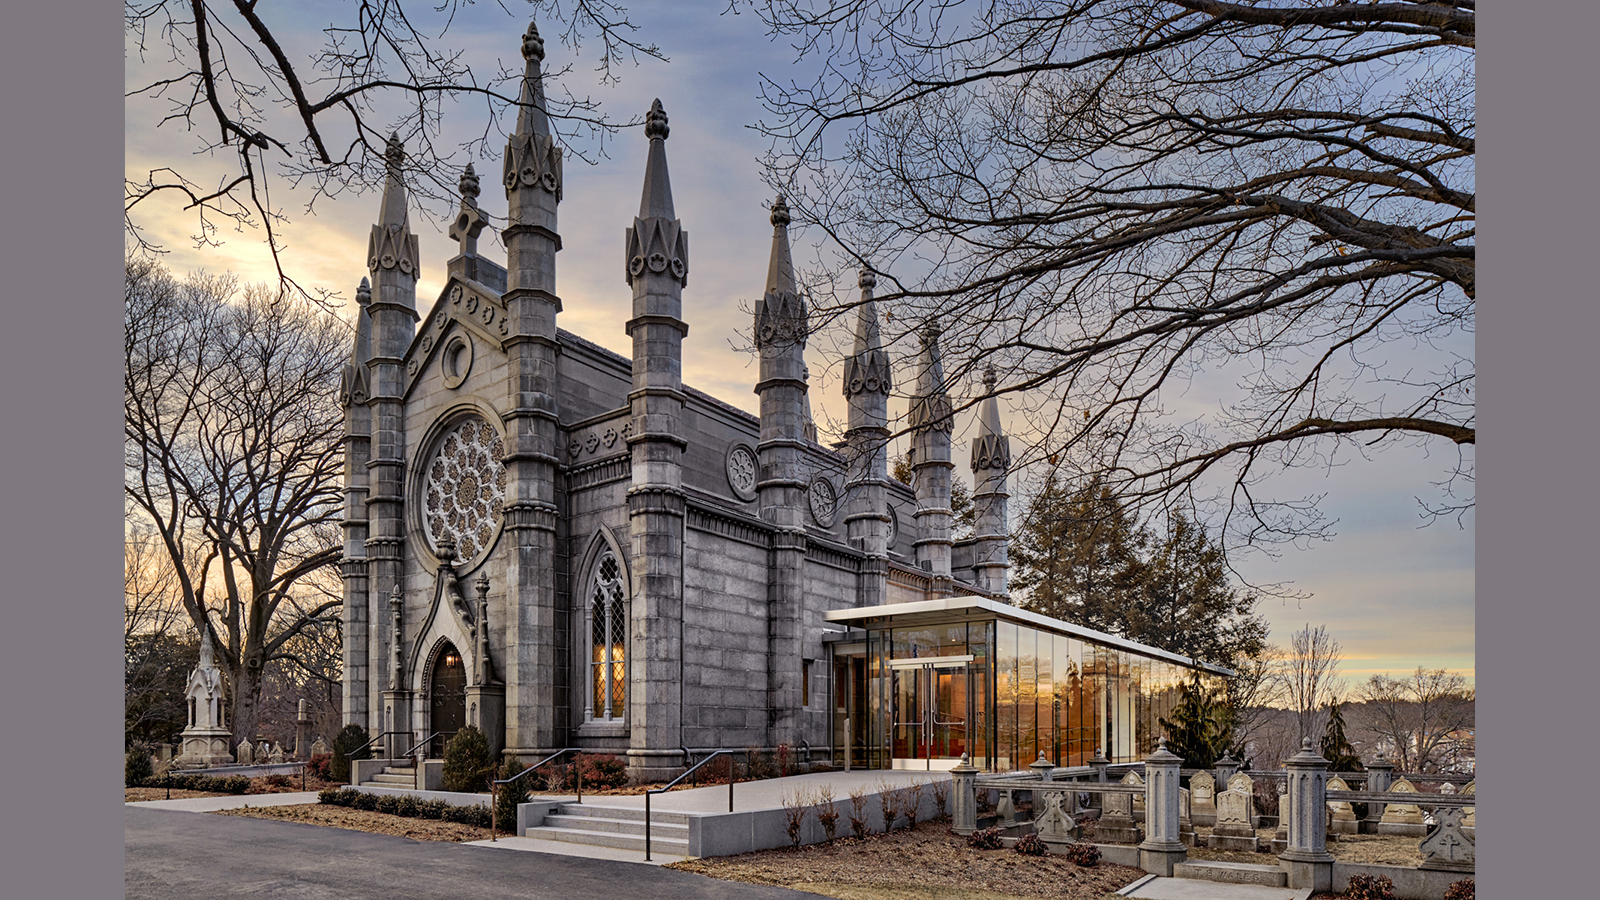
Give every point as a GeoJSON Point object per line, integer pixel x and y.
{"type": "Point", "coordinates": [917, 685]}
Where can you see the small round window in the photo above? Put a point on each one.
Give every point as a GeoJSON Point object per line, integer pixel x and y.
{"type": "Point", "coordinates": [464, 487]}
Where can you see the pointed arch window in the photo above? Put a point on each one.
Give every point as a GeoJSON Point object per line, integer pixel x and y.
{"type": "Point", "coordinates": [608, 641]}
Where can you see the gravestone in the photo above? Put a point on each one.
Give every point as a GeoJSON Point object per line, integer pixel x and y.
{"type": "Point", "coordinates": [1246, 785]}
{"type": "Point", "coordinates": [1469, 818]}
{"type": "Point", "coordinates": [244, 757]}
{"type": "Point", "coordinates": [277, 754]}
{"type": "Point", "coordinates": [319, 747]}
{"type": "Point", "coordinates": [1052, 823]}
{"type": "Point", "coordinates": [1186, 816]}
{"type": "Point", "coordinates": [1138, 799]}
{"type": "Point", "coordinates": [1280, 838]}
{"type": "Point", "coordinates": [1233, 830]}
{"type": "Point", "coordinates": [1447, 847]}
{"type": "Point", "coordinates": [1116, 825]}
{"type": "Point", "coordinates": [205, 739]}
{"type": "Point", "coordinates": [1402, 818]}
{"type": "Point", "coordinates": [1344, 819]}
{"type": "Point", "coordinates": [1203, 799]}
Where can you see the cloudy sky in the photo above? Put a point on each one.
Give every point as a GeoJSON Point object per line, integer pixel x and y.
{"type": "Point", "coordinates": [1396, 594]}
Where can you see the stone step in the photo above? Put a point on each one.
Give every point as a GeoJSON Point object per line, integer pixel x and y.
{"type": "Point", "coordinates": [658, 842]}
{"type": "Point", "coordinates": [389, 779]}
{"type": "Point", "coordinates": [1232, 873]}
{"type": "Point", "coordinates": [624, 812]}
{"type": "Point", "coordinates": [408, 771]}
{"type": "Point", "coordinates": [618, 826]}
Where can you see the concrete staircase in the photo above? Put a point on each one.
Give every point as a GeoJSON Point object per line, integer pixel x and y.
{"type": "Point", "coordinates": [614, 826]}
{"type": "Point", "coordinates": [395, 777]}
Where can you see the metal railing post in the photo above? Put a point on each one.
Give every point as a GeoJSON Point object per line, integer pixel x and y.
{"type": "Point", "coordinates": [646, 826]}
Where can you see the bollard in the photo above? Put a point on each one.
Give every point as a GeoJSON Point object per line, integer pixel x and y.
{"type": "Point", "coordinates": [964, 799]}
{"type": "Point", "coordinates": [1307, 860]}
{"type": "Point", "coordinates": [1161, 849]}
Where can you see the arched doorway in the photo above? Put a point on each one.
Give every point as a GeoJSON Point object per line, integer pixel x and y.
{"type": "Point", "coordinates": [447, 698]}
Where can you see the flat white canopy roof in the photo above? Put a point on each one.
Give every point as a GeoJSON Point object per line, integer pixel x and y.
{"type": "Point", "coordinates": [949, 609]}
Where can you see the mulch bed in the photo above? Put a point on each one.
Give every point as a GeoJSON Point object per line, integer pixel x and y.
{"type": "Point", "coordinates": [363, 820]}
{"type": "Point", "coordinates": [928, 856]}
{"type": "Point", "coordinates": [258, 785]}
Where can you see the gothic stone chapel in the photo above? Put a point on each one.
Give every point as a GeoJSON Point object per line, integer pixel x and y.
{"type": "Point", "coordinates": [565, 547]}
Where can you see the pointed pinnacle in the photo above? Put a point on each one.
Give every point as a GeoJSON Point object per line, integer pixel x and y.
{"type": "Point", "coordinates": [780, 213]}
{"type": "Point", "coordinates": [533, 44]}
{"type": "Point", "coordinates": [655, 122]}
{"type": "Point", "coordinates": [364, 292]}
{"type": "Point", "coordinates": [469, 184]}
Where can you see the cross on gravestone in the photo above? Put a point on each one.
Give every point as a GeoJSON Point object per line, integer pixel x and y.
{"type": "Point", "coordinates": [1053, 824]}
{"type": "Point", "coordinates": [1447, 847]}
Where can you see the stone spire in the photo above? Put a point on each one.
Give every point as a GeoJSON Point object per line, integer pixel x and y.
{"type": "Point", "coordinates": [657, 256]}
{"type": "Point", "coordinates": [532, 178]}
{"type": "Point", "coordinates": [354, 393]}
{"type": "Point", "coordinates": [867, 382]}
{"type": "Point", "coordinates": [991, 459]}
{"type": "Point", "coordinates": [392, 249]}
{"type": "Point", "coordinates": [780, 337]}
{"type": "Point", "coordinates": [930, 421]}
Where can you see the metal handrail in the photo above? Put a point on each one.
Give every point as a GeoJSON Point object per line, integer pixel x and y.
{"type": "Point", "coordinates": [494, 787]}
{"type": "Point", "coordinates": [381, 735]}
{"type": "Point", "coordinates": [419, 744]}
{"type": "Point", "coordinates": [733, 775]}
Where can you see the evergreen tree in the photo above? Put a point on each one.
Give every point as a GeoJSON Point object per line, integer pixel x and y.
{"type": "Point", "coordinates": [1335, 747]}
{"type": "Point", "coordinates": [1201, 727]}
{"type": "Point", "coordinates": [1078, 557]}
{"type": "Point", "coordinates": [1187, 604]}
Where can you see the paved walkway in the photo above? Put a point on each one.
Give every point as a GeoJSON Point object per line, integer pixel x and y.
{"type": "Point", "coordinates": [1154, 887]}
{"type": "Point", "coordinates": [172, 856]}
{"type": "Point", "coordinates": [769, 793]}
{"type": "Point", "coordinates": [212, 804]}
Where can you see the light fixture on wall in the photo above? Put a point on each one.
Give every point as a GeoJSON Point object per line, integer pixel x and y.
{"type": "Point", "coordinates": [451, 660]}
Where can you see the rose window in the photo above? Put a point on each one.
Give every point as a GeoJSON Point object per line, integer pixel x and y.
{"type": "Point", "coordinates": [464, 487]}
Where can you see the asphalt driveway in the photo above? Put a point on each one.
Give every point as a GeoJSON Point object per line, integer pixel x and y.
{"type": "Point", "coordinates": [173, 855]}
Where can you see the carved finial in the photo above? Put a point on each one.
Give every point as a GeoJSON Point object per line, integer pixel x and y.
{"type": "Point", "coordinates": [447, 550]}
{"type": "Point", "coordinates": [364, 292]}
{"type": "Point", "coordinates": [1161, 744]}
{"type": "Point", "coordinates": [469, 185]}
{"type": "Point", "coordinates": [655, 122]}
{"type": "Point", "coordinates": [988, 379]}
{"type": "Point", "coordinates": [780, 213]}
{"type": "Point", "coordinates": [396, 598]}
{"type": "Point", "coordinates": [482, 584]}
{"type": "Point", "coordinates": [867, 281]}
{"type": "Point", "coordinates": [1305, 745]}
{"type": "Point", "coordinates": [533, 44]}
{"type": "Point", "coordinates": [394, 152]}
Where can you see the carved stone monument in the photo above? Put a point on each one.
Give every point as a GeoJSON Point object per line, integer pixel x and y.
{"type": "Point", "coordinates": [1344, 818]}
{"type": "Point", "coordinates": [205, 740]}
{"type": "Point", "coordinates": [1116, 825]}
{"type": "Point", "coordinates": [1469, 814]}
{"type": "Point", "coordinates": [1402, 818]}
{"type": "Point", "coordinates": [1138, 799]}
{"type": "Point", "coordinates": [1246, 785]}
{"type": "Point", "coordinates": [1447, 847]}
{"type": "Point", "coordinates": [1052, 822]}
{"type": "Point", "coordinates": [1233, 830]}
{"type": "Point", "coordinates": [245, 755]}
{"type": "Point", "coordinates": [1203, 799]}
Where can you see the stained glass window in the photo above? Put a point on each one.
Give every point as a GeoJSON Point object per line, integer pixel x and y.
{"type": "Point", "coordinates": [465, 488]}
{"type": "Point", "coordinates": [608, 631]}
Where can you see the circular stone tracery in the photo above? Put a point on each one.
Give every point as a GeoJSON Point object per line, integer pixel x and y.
{"type": "Point", "coordinates": [464, 488]}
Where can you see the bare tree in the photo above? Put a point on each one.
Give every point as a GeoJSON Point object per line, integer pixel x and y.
{"type": "Point", "coordinates": [232, 459]}
{"type": "Point", "coordinates": [1416, 718]}
{"type": "Point", "coordinates": [156, 639]}
{"type": "Point", "coordinates": [248, 87]}
{"type": "Point", "coordinates": [1111, 198]}
{"type": "Point", "coordinates": [1311, 681]}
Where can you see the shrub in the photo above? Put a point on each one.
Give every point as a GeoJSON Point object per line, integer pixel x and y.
{"type": "Point", "coordinates": [136, 767]}
{"type": "Point", "coordinates": [888, 804]}
{"type": "Point", "coordinates": [466, 761]}
{"type": "Point", "coordinates": [760, 765]}
{"type": "Point", "coordinates": [911, 803]}
{"type": "Point", "coordinates": [1031, 844]}
{"type": "Point", "coordinates": [364, 801]}
{"type": "Point", "coordinates": [785, 760]}
{"type": "Point", "coordinates": [941, 795]}
{"type": "Point", "coordinates": [1083, 854]}
{"type": "Point", "coordinates": [858, 812]}
{"type": "Point", "coordinates": [329, 796]}
{"type": "Point", "coordinates": [278, 780]}
{"type": "Point", "coordinates": [432, 809]}
{"type": "Point", "coordinates": [1460, 890]}
{"type": "Point", "coordinates": [827, 813]}
{"type": "Point", "coordinates": [1370, 887]}
{"type": "Point", "coordinates": [345, 745]}
{"type": "Point", "coordinates": [320, 766]}
{"type": "Point", "coordinates": [986, 839]}
{"type": "Point", "coordinates": [796, 806]}
{"type": "Point", "coordinates": [389, 804]}
{"type": "Point", "coordinates": [603, 770]}
{"type": "Point", "coordinates": [506, 800]}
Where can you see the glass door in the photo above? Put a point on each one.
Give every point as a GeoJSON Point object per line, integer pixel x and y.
{"type": "Point", "coordinates": [931, 711]}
